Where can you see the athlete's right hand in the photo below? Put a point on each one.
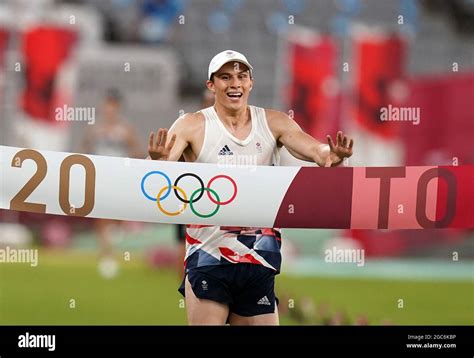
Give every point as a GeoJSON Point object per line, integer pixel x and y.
{"type": "Point", "coordinates": [157, 149]}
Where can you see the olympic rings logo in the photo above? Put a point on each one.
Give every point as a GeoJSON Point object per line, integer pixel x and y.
{"type": "Point", "coordinates": [181, 195]}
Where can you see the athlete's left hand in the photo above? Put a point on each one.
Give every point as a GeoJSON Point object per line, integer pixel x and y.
{"type": "Point", "coordinates": [157, 149]}
{"type": "Point", "coordinates": [342, 149]}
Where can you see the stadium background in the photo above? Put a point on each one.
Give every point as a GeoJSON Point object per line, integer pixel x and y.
{"type": "Point", "coordinates": [329, 64]}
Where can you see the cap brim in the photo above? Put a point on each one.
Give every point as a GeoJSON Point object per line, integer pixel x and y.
{"type": "Point", "coordinates": [232, 60]}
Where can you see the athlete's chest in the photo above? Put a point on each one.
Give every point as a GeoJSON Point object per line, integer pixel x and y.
{"type": "Point", "coordinates": [220, 142]}
{"type": "Point", "coordinates": [225, 151]}
{"type": "Point", "coordinates": [239, 132]}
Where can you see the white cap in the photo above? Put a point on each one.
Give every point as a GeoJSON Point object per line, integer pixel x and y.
{"type": "Point", "coordinates": [224, 57]}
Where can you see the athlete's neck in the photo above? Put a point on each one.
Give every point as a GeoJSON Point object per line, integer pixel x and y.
{"type": "Point", "coordinates": [231, 118]}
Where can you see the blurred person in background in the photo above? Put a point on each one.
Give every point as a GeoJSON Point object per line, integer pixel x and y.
{"type": "Point", "coordinates": [227, 278]}
{"type": "Point", "coordinates": [111, 135]}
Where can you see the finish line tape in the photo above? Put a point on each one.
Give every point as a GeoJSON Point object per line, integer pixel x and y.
{"type": "Point", "coordinates": [209, 194]}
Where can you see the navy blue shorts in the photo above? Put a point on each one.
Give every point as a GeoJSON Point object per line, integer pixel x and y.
{"type": "Point", "coordinates": [248, 289]}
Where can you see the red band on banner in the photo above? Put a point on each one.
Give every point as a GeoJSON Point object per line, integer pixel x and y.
{"type": "Point", "coordinates": [464, 204]}
{"type": "Point", "coordinates": [318, 198]}
{"type": "Point", "coordinates": [380, 198]}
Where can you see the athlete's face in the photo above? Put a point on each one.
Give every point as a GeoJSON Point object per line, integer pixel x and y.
{"type": "Point", "coordinates": [232, 85]}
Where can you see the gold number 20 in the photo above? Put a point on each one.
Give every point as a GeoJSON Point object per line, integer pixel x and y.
{"type": "Point", "coordinates": [18, 202]}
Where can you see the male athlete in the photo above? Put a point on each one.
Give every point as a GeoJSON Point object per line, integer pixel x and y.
{"type": "Point", "coordinates": [230, 271]}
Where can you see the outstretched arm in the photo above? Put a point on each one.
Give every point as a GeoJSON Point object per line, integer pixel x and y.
{"type": "Point", "coordinates": [169, 145]}
{"type": "Point", "coordinates": [302, 146]}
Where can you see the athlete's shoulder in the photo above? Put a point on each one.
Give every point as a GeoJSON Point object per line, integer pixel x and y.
{"type": "Point", "coordinates": [192, 118]}
{"type": "Point", "coordinates": [275, 117]}
{"type": "Point", "coordinates": [190, 121]}
{"type": "Point", "coordinates": [189, 125]}
{"type": "Point", "coordinates": [274, 114]}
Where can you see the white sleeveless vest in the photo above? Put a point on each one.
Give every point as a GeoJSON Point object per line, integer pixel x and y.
{"type": "Point", "coordinates": [221, 147]}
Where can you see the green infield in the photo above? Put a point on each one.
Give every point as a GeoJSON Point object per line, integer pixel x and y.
{"type": "Point", "coordinates": [66, 289]}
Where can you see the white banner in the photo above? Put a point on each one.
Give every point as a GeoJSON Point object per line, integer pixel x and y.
{"type": "Point", "coordinates": [126, 189]}
{"type": "Point", "coordinates": [255, 196]}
